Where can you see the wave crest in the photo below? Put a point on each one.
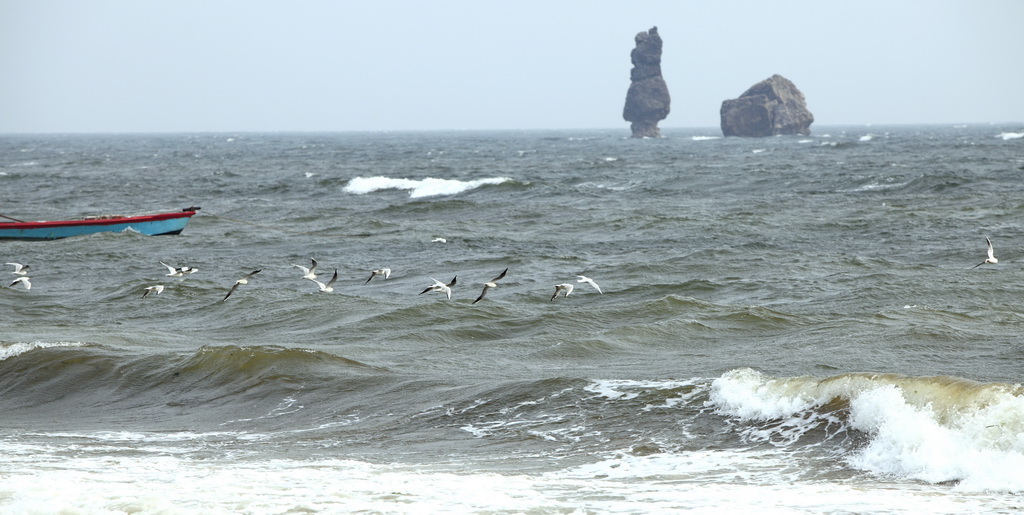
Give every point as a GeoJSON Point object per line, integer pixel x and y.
{"type": "Point", "coordinates": [10, 350]}
{"type": "Point", "coordinates": [111, 380]}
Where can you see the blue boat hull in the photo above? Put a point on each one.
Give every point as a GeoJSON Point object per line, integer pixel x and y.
{"type": "Point", "coordinates": [154, 225]}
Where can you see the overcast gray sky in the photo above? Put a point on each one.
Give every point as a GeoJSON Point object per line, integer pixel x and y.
{"type": "Point", "coordinates": [320, 65]}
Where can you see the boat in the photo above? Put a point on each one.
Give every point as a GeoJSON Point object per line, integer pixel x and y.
{"type": "Point", "coordinates": [152, 225]}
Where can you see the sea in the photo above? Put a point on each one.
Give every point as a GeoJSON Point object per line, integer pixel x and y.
{"type": "Point", "coordinates": [785, 325]}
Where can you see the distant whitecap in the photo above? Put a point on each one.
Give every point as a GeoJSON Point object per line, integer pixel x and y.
{"type": "Point", "coordinates": [705, 138]}
{"type": "Point", "coordinates": [876, 186]}
{"type": "Point", "coordinates": [628, 185]}
{"type": "Point", "coordinates": [418, 188]}
{"type": "Point", "coordinates": [1011, 135]}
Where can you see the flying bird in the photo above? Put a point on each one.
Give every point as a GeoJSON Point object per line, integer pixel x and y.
{"type": "Point", "coordinates": [179, 271]}
{"type": "Point", "coordinates": [585, 279]}
{"type": "Point", "coordinates": [329, 287]}
{"type": "Point", "coordinates": [566, 287]}
{"type": "Point", "coordinates": [244, 280]}
{"type": "Point", "coordinates": [991, 258]}
{"type": "Point", "coordinates": [156, 289]}
{"type": "Point", "coordinates": [19, 269]}
{"type": "Point", "coordinates": [24, 280]}
{"type": "Point", "coordinates": [441, 287]}
{"type": "Point", "coordinates": [386, 272]}
{"type": "Point", "coordinates": [308, 273]}
{"type": "Point", "coordinates": [489, 285]}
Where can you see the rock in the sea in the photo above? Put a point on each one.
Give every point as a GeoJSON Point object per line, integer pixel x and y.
{"type": "Point", "coordinates": [771, 107]}
{"type": "Point", "coordinates": [647, 101]}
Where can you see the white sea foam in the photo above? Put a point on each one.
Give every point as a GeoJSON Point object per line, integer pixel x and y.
{"type": "Point", "coordinates": [135, 437]}
{"type": "Point", "coordinates": [620, 389]}
{"type": "Point", "coordinates": [1011, 135]}
{"type": "Point", "coordinates": [725, 481]}
{"type": "Point", "coordinates": [9, 350]}
{"type": "Point", "coordinates": [929, 429]}
{"type": "Point", "coordinates": [625, 389]}
{"type": "Point", "coordinates": [546, 425]}
{"type": "Point", "coordinates": [767, 482]}
{"type": "Point", "coordinates": [705, 138]}
{"type": "Point", "coordinates": [418, 188]}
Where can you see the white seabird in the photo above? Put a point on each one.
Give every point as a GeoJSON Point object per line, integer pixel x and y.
{"type": "Point", "coordinates": [441, 287]}
{"type": "Point", "coordinates": [308, 273]}
{"type": "Point", "coordinates": [179, 271]}
{"type": "Point", "coordinates": [19, 269]}
{"type": "Point", "coordinates": [566, 287]}
{"type": "Point", "coordinates": [585, 279]}
{"type": "Point", "coordinates": [386, 272]}
{"type": "Point", "coordinates": [493, 283]}
{"type": "Point", "coordinates": [991, 257]}
{"type": "Point", "coordinates": [329, 287]}
{"type": "Point", "coordinates": [24, 280]}
{"type": "Point", "coordinates": [157, 289]}
{"type": "Point", "coordinates": [244, 280]}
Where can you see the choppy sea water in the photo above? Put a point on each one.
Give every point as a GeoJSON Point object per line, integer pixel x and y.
{"type": "Point", "coordinates": [788, 325]}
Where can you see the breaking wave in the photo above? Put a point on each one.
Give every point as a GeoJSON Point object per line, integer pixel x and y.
{"type": "Point", "coordinates": [934, 429]}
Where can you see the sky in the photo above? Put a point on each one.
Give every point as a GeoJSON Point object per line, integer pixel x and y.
{"type": "Point", "coordinates": [124, 66]}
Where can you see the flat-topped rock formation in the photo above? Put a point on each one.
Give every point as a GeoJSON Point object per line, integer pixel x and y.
{"type": "Point", "coordinates": [771, 107]}
{"type": "Point", "coordinates": [647, 101]}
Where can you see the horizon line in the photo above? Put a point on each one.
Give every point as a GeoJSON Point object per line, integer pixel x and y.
{"type": "Point", "coordinates": [378, 131]}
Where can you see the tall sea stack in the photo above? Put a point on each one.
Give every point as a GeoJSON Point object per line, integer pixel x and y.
{"type": "Point", "coordinates": [771, 107]}
{"type": "Point", "coordinates": [647, 101]}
